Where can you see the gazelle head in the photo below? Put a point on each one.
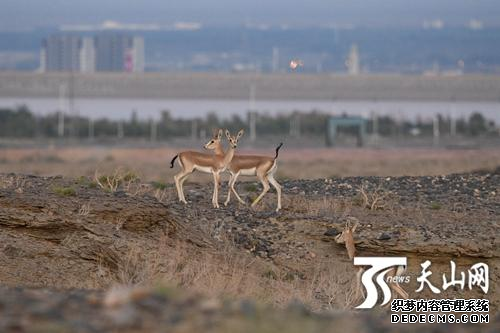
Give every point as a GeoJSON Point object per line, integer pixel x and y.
{"type": "Point", "coordinates": [233, 140]}
{"type": "Point", "coordinates": [347, 237]}
{"type": "Point", "coordinates": [214, 141]}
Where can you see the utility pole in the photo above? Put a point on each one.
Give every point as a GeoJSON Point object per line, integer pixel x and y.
{"type": "Point", "coordinates": [295, 125]}
{"type": "Point", "coordinates": [72, 111]}
{"type": "Point", "coordinates": [91, 129]}
{"type": "Point", "coordinates": [194, 129]}
{"type": "Point", "coordinates": [252, 115]}
{"type": "Point", "coordinates": [375, 127]}
{"type": "Point", "coordinates": [276, 58]}
{"type": "Point", "coordinates": [435, 130]}
{"type": "Point", "coordinates": [121, 132]}
{"type": "Point", "coordinates": [62, 106]}
{"type": "Point", "coordinates": [153, 130]}
{"type": "Point", "coordinates": [453, 126]}
{"type": "Point", "coordinates": [453, 121]}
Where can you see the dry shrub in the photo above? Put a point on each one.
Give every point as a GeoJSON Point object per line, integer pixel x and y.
{"type": "Point", "coordinates": [84, 210]}
{"type": "Point", "coordinates": [226, 272]}
{"type": "Point", "coordinates": [13, 181]}
{"type": "Point", "coordinates": [120, 177]}
{"type": "Point", "coordinates": [374, 200]}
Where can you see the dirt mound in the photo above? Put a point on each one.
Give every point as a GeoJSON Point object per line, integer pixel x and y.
{"type": "Point", "coordinates": [63, 233]}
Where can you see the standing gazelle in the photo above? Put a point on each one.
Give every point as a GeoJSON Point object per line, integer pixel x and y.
{"type": "Point", "coordinates": [264, 167]}
{"type": "Point", "coordinates": [214, 164]}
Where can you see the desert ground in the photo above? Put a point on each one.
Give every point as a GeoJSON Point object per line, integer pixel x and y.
{"type": "Point", "coordinates": [101, 231]}
{"type": "Point", "coordinates": [153, 163]}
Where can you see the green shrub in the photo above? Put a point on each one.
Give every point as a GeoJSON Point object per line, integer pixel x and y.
{"type": "Point", "coordinates": [64, 191]}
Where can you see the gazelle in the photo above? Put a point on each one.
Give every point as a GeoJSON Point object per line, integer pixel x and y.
{"type": "Point", "coordinates": [214, 164]}
{"type": "Point", "coordinates": [347, 237]}
{"type": "Point", "coordinates": [263, 167]}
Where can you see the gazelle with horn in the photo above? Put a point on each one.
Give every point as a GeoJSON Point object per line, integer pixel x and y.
{"type": "Point", "coordinates": [191, 161]}
{"type": "Point", "coordinates": [347, 237]}
{"type": "Point", "coordinates": [264, 167]}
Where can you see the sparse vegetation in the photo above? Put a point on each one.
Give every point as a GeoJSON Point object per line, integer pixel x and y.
{"type": "Point", "coordinates": [229, 273]}
{"type": "Point", "coordinates": [110, 183]}
{"type": "Point", "coordinates": [159, 185]}
{"type": "Point", "coordinates": [375, 199]}
{"type": "Point", "coordinates": [436, 205]}
{"type": "Point", "coordinates": [64, 191]}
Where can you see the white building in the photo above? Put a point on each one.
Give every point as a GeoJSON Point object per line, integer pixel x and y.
{"type": "Point", "coordinates": [352, 62]}
{"type": "Point", "coordinates": [87, 55]}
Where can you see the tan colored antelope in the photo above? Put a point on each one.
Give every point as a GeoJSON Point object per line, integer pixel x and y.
{"type": "Point", "coordinates": [263, 167]}
{"type": "Point", "coordinates": [191, 161]}
{"type": "Point", "coordinates": [347, 237]}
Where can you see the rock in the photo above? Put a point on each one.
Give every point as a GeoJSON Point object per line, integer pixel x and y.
{"type": "Point", "coordinates": [384, 236]}
{"type": "Point", "coordinates": [331, 232]}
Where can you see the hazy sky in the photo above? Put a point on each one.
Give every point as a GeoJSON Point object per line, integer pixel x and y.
{"type": "Point", "coordinates": [19, 14]}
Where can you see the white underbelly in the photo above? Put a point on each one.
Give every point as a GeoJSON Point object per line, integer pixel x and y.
{"type": "Point", "coordinates": [248, 172]}
{"type": "Point", "coordinates": [205, 169]}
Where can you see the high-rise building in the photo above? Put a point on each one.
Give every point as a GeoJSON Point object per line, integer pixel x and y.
{"type": "Point", "coordinates": [61, 53]}
{"type": "Point", "coordinates": [119, 53]}
{"type": "Point", "coordinates": [105, 52]}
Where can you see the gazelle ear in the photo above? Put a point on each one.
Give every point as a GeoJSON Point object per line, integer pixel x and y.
{"type": "Point", "coordinates": [355, 226]}
{"type": "Point", "coordinates": [240, 133]}
{"type": "Point", "coordinates": [228, 135]}
{"type": "Point", "coordinates": [219, 135]}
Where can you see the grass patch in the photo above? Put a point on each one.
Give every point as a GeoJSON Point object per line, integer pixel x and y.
{"type": "Point", "coordinates": [64, 191]}
{"type": "Point", "coordinates": [436, 205]}
{"type": "Point", "coordinates": [159, 185]}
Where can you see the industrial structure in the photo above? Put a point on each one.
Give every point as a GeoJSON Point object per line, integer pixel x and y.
{"type": "Point", "coordinates": [334, 123]}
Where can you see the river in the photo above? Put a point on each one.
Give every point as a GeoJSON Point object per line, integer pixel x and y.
{"type": "Point", "coordinates": [151, 108]}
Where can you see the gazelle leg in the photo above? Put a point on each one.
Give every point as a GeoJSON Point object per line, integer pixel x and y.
{"type": "Point", "coordinates": [183, 179]}
{"type": "Point", "coordinates": [265, 183]}
{"type": "Point", "coordinates": [215, 199]}
{"type": "Point", "coordinates": [277, 187]}
{"type": "Point", "coordinates": [229, 183]}
{"type": "Point", "coordinates": [179, 181]}
{"type": "Point", "coordinates": [177, 187]}
{"type": "Point", "coordinates": [234, 190]}
{"type": "Point", "coordinates": [213, 192]}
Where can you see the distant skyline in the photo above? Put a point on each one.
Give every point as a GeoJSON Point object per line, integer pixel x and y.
{"type": "Point", "coordinates": [30, 14]}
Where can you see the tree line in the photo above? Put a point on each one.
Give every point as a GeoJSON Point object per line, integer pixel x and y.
{"type": "Point", "coordinates": [22, 123]}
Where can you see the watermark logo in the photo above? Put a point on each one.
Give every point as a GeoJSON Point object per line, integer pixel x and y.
{"type": "Point", "coordinates": [374, 278]}
{"type": "Point", "coordinates": [478, 276]}
{"type": "Point", "coordinates": [380, 266]}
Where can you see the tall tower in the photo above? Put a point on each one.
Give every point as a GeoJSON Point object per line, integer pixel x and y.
{"type": "Point", "coordinates": [352, 62]}
{"type": "Point", "coordinates": [43, 59]}
{"type": "Point", "coordinates": [137, 54]}
{"type": "Point", "coordinates": [87, 55]}
{"type": "Point", "coordinates": [275, 61]}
